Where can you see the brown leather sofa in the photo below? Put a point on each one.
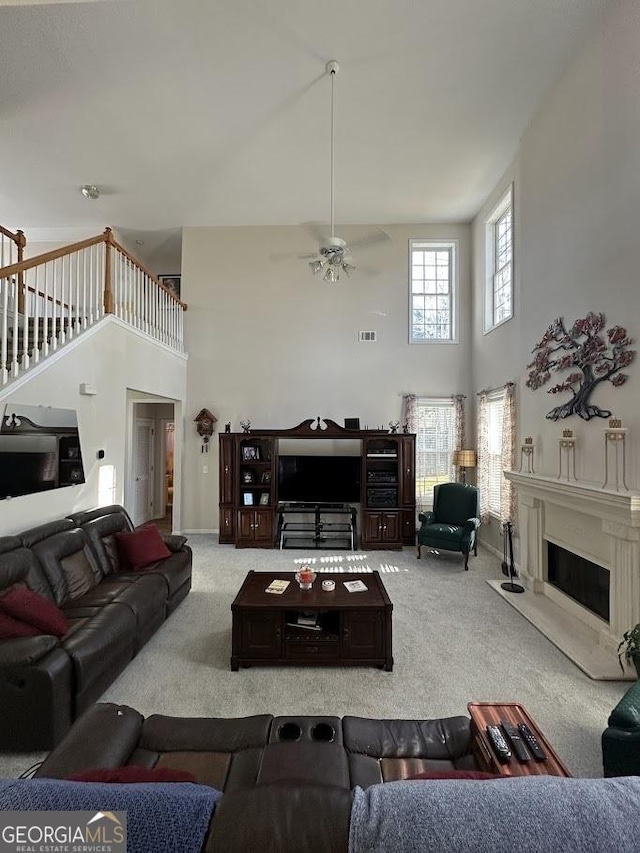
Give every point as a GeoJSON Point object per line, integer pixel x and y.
{"type": "Point", "coordinates": [47, 682]}
{"type": "Point", "coordinates": [287, 781]}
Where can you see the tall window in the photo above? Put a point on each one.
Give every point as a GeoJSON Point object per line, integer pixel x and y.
{"type": "Point", "coordinates": [435, 443]}
{"type": "Point", "coordinates": [495, 422]}
{"type": "Point", "coordinates": [499, 291]}
{"type": "Point", "coordinates": [432, 272]}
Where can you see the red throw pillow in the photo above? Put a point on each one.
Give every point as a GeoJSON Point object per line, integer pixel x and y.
{"type": "Point", "coordinates": [35, 610]}
{"type": "Point", "coordinates": [141, 547]}
{"type": "Point", "coordinates": [11, 628]}
{"type": "Point", "coordinates": [454, 774]}
{"type": "Point", "coordinates": [132, 773]}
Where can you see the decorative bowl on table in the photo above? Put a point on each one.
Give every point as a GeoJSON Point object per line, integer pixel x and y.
{"type": "Point", "coordinates": [305, 577]}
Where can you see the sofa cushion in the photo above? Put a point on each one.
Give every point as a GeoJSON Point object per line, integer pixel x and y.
{"type": "Point", "coordinates": [131, 774]}
{"type": "Point", "coordinates": [176, 569]}
{"type": "Point", "coordinates": [108, 634]}
{"type": "Point", "coordinates": [100, 532]}
{"type": "Point", "coordinates": [28, 606]}
{"type": "Point", "coordinates": [78, 574]}
{"type": "Point", "coordinates": [24, 651]}
{"type": "Point", "coordinates": [52, 551]}
{"type": "Point", "coordinates": [142, 547]}
{"type": "Point", "coordinates": [85, 515]}
{"type": "Point", "coordinates": [20, 564]}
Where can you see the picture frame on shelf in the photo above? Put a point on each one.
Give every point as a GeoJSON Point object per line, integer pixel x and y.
{"type": "Point", "coordinates": [264, 499]}
{"type": "Point", "coordinates": [250, 453]}
{"type": "Point", "coordinates": [172, 283]}
{"type": "Point", "coordinates": [247, 499]}
{"type": "Point", "coordinates": [266, 478]}
{"type": "Point", "coordinates": [248, 478]}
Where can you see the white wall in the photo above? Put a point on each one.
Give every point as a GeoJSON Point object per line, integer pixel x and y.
{"type": "Point", "coordinates": [577, 189]}
{"type": "Point", "coordinates": [577, 196]}
{"type": "Point", "coordinates": [111, 358]}
{"type": "Point", "coordinates": [271, 343]}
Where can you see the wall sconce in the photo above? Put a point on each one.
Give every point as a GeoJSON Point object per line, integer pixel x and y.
{"type": "Point", "coordinates": [464, 459]}
{"type": "Point", "coordinates": [204, 426]}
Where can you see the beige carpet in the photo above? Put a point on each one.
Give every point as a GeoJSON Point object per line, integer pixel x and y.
{"type": "Point", "coordinates": [454, 640]}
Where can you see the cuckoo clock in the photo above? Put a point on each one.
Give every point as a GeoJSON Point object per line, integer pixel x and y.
{"type": "Point", "coordinates": [204, 425]}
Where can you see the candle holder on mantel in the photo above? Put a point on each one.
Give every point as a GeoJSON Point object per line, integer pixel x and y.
{"type": "Point", "coordinates": [567, 448]}
{"type": "Point", "coordinates": [616, 435]}
{"type": "Point", "coordinates": [526, 452]}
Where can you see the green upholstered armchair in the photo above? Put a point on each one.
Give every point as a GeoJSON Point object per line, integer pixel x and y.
{"type": "Point", "coordinates": [453, 523]}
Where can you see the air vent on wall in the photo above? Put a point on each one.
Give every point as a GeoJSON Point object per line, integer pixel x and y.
{"type": "Point", "coordinates": [366, 337]}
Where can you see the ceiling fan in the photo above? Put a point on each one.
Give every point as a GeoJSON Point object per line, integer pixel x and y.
{"type": "Point", "coordinates": [334, 255]}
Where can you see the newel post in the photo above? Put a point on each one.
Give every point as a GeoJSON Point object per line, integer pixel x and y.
{"type": "Point", "coordinates": [108, 301]}
{"type": "Point", "coordinates": [21, 242]}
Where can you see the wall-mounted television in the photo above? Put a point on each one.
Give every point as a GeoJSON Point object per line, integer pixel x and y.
{"type": "Point", "coordinates": [39, 450]}
{"type": "Point", "coordinates": [319, 479]}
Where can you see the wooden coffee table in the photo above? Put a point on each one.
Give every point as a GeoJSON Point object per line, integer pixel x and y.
{"type": "Point", "coordinates": [485, 714]}
{"type": "Point", "coordinates": [354, 627]}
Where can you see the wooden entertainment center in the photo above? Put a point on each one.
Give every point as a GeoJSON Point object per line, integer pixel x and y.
{"type": "Point", "coordinates": [249, 484]}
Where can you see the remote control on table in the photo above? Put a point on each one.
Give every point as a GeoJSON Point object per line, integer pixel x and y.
{"type": "Point", "coordinates": [513, 735]}
{"type": "Point", "coordinates": [530, 739]}
{"type": "Point", "coordinates": [499, 744]}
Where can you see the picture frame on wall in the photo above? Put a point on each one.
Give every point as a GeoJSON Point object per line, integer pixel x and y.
{"type": "Point", "coordinates": [172, 283]}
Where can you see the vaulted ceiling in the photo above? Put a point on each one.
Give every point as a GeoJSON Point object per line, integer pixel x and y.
{"type": "Point", "coordinates": [217, 113]}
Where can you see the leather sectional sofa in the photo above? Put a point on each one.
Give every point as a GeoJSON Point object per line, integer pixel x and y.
{"type": "Point", "coordinates": [287, 781]}
{"type": "Point", "coordinates": [337, 785]}
{"type": "Point", "coordinates": [46, 682]}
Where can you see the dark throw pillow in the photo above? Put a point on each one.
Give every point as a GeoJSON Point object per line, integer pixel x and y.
{"type": "Point", "coordinates": [141, 547]}
{"type": "Point", "coordinates": [34, 610]}
{"type": "Point", "coordinates": [131, 773]}
{"type": "Point", "coordinates": [454, 774]}
{"type": "Point", "coordinates": [174, 541]}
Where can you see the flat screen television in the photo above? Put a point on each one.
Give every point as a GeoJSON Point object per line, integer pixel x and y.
{"type": "Point", "coordinates": [319, 479]}
{"type": "Point", "coordinates": [39, 450]}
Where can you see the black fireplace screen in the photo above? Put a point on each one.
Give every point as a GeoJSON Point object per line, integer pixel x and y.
{"type": "Point", "coordinates": [584, 581]}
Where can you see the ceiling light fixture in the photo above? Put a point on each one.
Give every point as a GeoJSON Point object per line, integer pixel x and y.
{"type": "Point", "coordinates": [90, 191]}
{"type": "Point", "coordinates": [334, 257]}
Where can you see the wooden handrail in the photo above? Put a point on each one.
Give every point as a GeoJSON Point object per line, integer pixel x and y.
{"type": "Point", "coordinates": [18, 238]}
{"type": "Point", "coordinates": [62, 252]}
{"type": "Point", "coordinates": [106, 237]}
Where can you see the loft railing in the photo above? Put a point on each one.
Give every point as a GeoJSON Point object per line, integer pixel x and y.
{"type": "Point", "coordinates": [52, 298]}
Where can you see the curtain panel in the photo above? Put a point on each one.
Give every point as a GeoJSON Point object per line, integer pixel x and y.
{"type": "Point", "coordinates": [508, 506]}
{"type": "Point", "coordinates": [482, 471]}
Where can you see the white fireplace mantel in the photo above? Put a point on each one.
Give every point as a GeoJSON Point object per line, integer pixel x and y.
{"type": "Point", "coordinates": [601, 525]}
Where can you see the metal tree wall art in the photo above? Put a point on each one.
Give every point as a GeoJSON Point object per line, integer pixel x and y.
{"type": "Point", "coordinates": [591, 354]}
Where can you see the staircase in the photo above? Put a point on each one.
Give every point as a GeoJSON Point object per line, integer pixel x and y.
{"type": "Point", "coordinates": [51, 299]}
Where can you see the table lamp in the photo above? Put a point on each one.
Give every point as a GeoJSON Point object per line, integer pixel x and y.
{"type": "Point", "coordinates": [464, 459]}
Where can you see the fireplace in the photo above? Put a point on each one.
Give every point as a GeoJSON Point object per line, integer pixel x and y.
{"type": "Point", "coordinates": [583, 600]}
{"type": "Point", "coordinates": [579, 578]}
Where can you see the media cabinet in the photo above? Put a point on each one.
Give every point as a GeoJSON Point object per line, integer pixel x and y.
{"type": "Point", "coordinates": [249, 484]}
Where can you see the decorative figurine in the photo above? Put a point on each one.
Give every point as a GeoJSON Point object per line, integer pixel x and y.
{"type": "Point", "coordinates": [393, 426]}
{"type": "Point", "coordinates": [246, 426]}
{"type": "Point", "coordinates": [227, 427]}
{"type": "Point", "coordinates": [405, 429]}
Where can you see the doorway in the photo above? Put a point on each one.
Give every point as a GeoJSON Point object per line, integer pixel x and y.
{"type": "Point", "coordinates": [142, 508]}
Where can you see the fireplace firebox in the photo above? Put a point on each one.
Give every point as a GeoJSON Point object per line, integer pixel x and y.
{"type": "Point", "coordinates": [580, 579]}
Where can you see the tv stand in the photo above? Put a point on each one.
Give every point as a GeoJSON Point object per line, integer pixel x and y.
{"type": "Point", "coordinates": [316, 532]}
{"type": "Point", "coordinates": [250, 513]}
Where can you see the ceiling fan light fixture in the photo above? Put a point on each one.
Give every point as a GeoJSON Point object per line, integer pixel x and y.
{"type": "Point", "coordinates": [90, 191]}
{"type": "Point", "coordinates": [316, 266]}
